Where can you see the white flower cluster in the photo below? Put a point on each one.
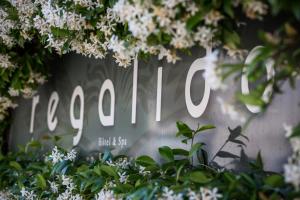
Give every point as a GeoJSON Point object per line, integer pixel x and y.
{"type": "Point", "coordinates": [53, 187]}
{"type": "Point", "coordinates": [5, 61]}
{"type": "Point", "coordinates": [121, 163]}
{"type": "Point", "coordinates": [144, 19]}
{"type": "Point", "coordinates": [5, 29]}
{"type": "Point", "coordinates": [5, 195]}
{"type": "Point", "coordinates": [89, 4]}
{"type": "Point", "coordinates": [106, 195]}
{"type": "Point", "coordinates": [255, 9]}
{"type": "Point", "coordinates": [69, 193]}
{"type": "Point", "coordinates": [5, 105]}
{"type": "Point", "coordinates": [292, 168]}
{"type": "Point", "coordinates": [212, 73]}
{"type": "Point", "coordinates": [231, 111]}
{"type": "Point", "coordinates": [58, 156]}
{"type": "Point", "coordinates": [169, 194]}
{"type": "Point", "coordinates": [203, 194]}
{"type": "Point", "coordinates": [28, 195]}
{"type": "Point", "coordinates": [26, 10]}
{"type": "Point", "coordinates": [143, 171]}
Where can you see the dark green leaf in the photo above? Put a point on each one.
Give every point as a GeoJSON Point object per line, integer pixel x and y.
{"type": "Point", "coordinates": [196, 147]}
{"type": "Point", "coordinates": [275, 180]}
{"type": "Point", "coordinates": [225, 154]}
{"type": "Point", "coordinates": [109, 170]}
{"type": "Point", "coordinates": [199, 177]}
{"type": "Point", "coordinates": [166, 153]}
{"type": "Point", "coordinates": [181, 152]}
{"type": "Point", "coordinates": [15, 165]}
{"type": "Point", "coordinates": [41, 182]}
{"type": "Point", "coordinates": [205, 127]}
{"type": "Point", "coordinates": [145, 161]}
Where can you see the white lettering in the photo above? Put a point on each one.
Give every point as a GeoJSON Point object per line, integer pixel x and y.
{"type": "Point", "coordinates": [134, 91]}
{"type": "Point", "coordinates": [196, 110]}
{"type": "Point", "coordinates": [77, 123]}
{"type": "Point", "coordinates": [107, 120]}
{"type": "Point", "coordinates": [35, 101]}
{"type": "Point", "coordinates": [52, 106]}
{"type": "Point", "coordinates": [158, 94]}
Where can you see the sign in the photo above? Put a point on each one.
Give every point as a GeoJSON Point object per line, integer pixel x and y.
{"type": "Point", "coordinates": [95, 104]}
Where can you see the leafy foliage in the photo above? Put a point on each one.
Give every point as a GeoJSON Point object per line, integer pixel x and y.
{"type": "Point", "coordinates": [143, 177]}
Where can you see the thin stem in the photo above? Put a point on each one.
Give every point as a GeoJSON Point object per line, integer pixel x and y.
{"type": "Point", "coordinates": [192, 159]}
{"type": "Point", "coordinates": [219, 151]}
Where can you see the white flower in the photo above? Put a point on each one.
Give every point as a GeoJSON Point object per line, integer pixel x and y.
{"type": "Point", "coordinates": [26, 9]}
{"type": "Point", "coordinates": [172, 3]}
{"type": "Point", "coordinates": [28, 195]}
{"type": "Point", "coordinates": [28, 92]}
{"type": "Point", "coordinates": [192, 8]}
{"type": "Point", "coordinates": [228, 109]}
{"type": "Point", "coordinates": [171, 56]}
{"type": "Point", "coordinates": [255, 9]}
{"type": "Point", "coordinates": [71, 155]}
{"type": "Point", "coordinates": [56, 156]}
{"type": "Point", "coordinates": [122, 177]}
{"type": "Point", "coordinates": [23, 192]}
{"type": "Point", "coordinates": [76, 197]}
{"type": "Point", "coordinates": [6, 27]}
{"type": "Point", "coordinates": [13, 92]}
{"type": "Point", "coordinates": [5, 61]}
{"type": "Point", "coordinates": [89, 4]}
{"type": "Point", "coordinates": [292, 174]}
{"type": "Point", "coordinates": [170, 195]}
{"type": "Point", "coordinates": [66, 180]}
{"type": "Point", "coordinates": [6, 103]}
{"type": "Point", "coordinates": [105, 195]}
{"type": "Point", "coordinates": [208, 194]}
{"type": "Point", "coordinates": [235, 53]}
{"type": "Point", "coordinates": [5, 195]}
{"type": "Point", "coordinates": [295, 143]}
{"type": "Point", "coordinates": [213, 17]}
{"type": "Point", "coordinates": [204, 36]}
{"type": "Point", "coordinates": [53, 186]}
{"type": "Point", "coordinates": [66, 195]}
{"type": "Point", "coordinates": [212, 74]}
{"type": "Point", "coordinates": [142, 171]}
{"type": "Point", "coordinates": [193, 195]}
{"type": "Point", "coordinates": [288, 130]}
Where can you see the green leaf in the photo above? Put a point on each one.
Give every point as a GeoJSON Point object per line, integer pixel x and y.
{"type": "Point", "coordinates": [181, 152]}
{"type": "Point", "coordinates": [275, 180]}
{"type": "Point", "coordinates": [184, 130]}
{"type": "Point", "coordinates": [296, 131]}
{"type": "Point", "coordinates": [145, 161]}
{"type": "Point", "coordinates": [249, 180]}
{"type": "Point", "coordinates": [97, 170]}
{"type": "Point", "coordinates": [41, 182]}
{"type": "Point", "coordinates": [225, 154]}
{"type": "Point", "coordinates": [199, 177]}
{"type": "Point", "coordinates": [109, 170]}
{"type": "Point", "coordinates": [251, 99]}
{"type": "Point", "coordinates": [202, 157]}
{"type": "Point", "coordinates": [196, 147]}
{"type": "Point", "coordinates": [205, 127]}
{"type": "Point", "coordinates": [167, 153]}
{"type": "Point", "coordinates": [228, 8]}
{"type": "Point", "coordinates": [178, 171]}
{"type": "Point", "coordinates": [15, 165]}
{"type": "Point", "coordinates": [194, 20]}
